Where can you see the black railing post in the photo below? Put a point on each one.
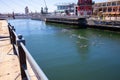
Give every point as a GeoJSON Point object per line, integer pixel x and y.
{"type": "Point", "coordinates": [10, 33]}
{"type": "Point", "coordinates": [22, 57]}
{"type": "Point", "coordinates": [13, 28]}
{"type": "Point", "coordinates": [13, 35]}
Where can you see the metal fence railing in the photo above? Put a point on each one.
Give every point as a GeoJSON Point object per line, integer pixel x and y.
{"type": "Point", "coordinates": [23, 54]}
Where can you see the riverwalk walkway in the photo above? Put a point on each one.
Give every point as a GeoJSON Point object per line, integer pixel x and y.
{"type": "Point", "coordinates": [9, 62]}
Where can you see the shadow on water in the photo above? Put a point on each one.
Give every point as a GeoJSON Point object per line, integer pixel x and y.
{"type": "Point", "coordinates": [64, 26]}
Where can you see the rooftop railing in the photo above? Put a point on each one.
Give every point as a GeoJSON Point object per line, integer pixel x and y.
{"type": "Point", "coordinates": [24, 55]}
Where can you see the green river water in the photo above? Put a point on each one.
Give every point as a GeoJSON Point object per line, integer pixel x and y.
{"type": "Point", "coordinates": [72, 54]}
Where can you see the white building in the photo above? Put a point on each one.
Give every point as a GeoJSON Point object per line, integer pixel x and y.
{"type": "Point", "coordinates": [62, 7]}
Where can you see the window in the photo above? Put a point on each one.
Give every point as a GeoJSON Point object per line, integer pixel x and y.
{"type": "Point", "coordinates": [108, 4]}
{"type": "Point", "coordinates": [113, 3]}
{"type": "Point", "coordinates": [118, 3]}
{"type": "Point", "coordinates": [109, 9]}
{"type": "Point", "coordinates": [100, 9]}
{"type": "Point", "coordinates": [114, 10]}
{"type": "Point", "coordinates": [104, 4]}
{"type": "Point", "coordinates": [104, 10]}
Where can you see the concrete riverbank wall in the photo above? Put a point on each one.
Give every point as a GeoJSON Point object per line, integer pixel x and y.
{"type": "Point", "coordinates": [80, 22]}
{"type": "Point", "coordinates": [87, 23]}
{"type": "Point", "coordinates": [104, 25]}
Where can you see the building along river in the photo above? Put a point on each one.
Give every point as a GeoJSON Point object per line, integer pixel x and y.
{"type": "Point", "coordinates": [72, 54]}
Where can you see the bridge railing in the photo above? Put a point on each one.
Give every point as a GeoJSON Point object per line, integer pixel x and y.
{"type": "Point", "coordinates": [23, 54]}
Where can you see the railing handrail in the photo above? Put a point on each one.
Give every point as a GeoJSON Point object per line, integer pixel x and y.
{"type": "Point", "coordinates": [20, 43]}
{"type": "Point", "coordinates": [37, 70]}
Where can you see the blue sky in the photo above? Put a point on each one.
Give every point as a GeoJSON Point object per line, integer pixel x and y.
{"type": "Point", "coordinates": [8, 6]}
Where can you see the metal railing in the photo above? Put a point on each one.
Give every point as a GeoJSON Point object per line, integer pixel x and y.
{"type": "Point", "coordinates": [23, 54]}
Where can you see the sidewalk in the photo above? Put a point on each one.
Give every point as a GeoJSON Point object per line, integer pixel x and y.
{"type": "Point", "coordinates": [9, 64]}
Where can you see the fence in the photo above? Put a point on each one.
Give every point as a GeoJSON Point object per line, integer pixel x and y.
{"type": "Point", "coordinates": [23, 54]}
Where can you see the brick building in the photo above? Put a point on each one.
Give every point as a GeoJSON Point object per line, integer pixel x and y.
{"type": "Point", "coordinates": [110, 10]}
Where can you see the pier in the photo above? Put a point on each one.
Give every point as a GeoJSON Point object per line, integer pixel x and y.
{"type": "Point", "coordinates": [104, 25]}
{"type": "Point", "coordinates": [83, 22]}
{"type": "Point", "coordinates": [77, 21]}
{"type": "Point", "coordinates": [16, 63]}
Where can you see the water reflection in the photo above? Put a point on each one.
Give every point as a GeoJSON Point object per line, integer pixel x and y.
{"type": "Point", "coordinates": [82, 43]}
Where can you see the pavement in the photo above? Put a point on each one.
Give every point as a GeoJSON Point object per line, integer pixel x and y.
{"type": "Point", "coordinates": [9, 63]}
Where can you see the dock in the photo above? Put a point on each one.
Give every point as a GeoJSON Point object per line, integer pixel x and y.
{"type": "Point", "coordinates": [83, 22]}
{"type": "Point", "coordinates": [80, 22]}
{"type": "Point", "coordinates": [11, 67]}
{"type": "Point", "coordinates": [104, 25]}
